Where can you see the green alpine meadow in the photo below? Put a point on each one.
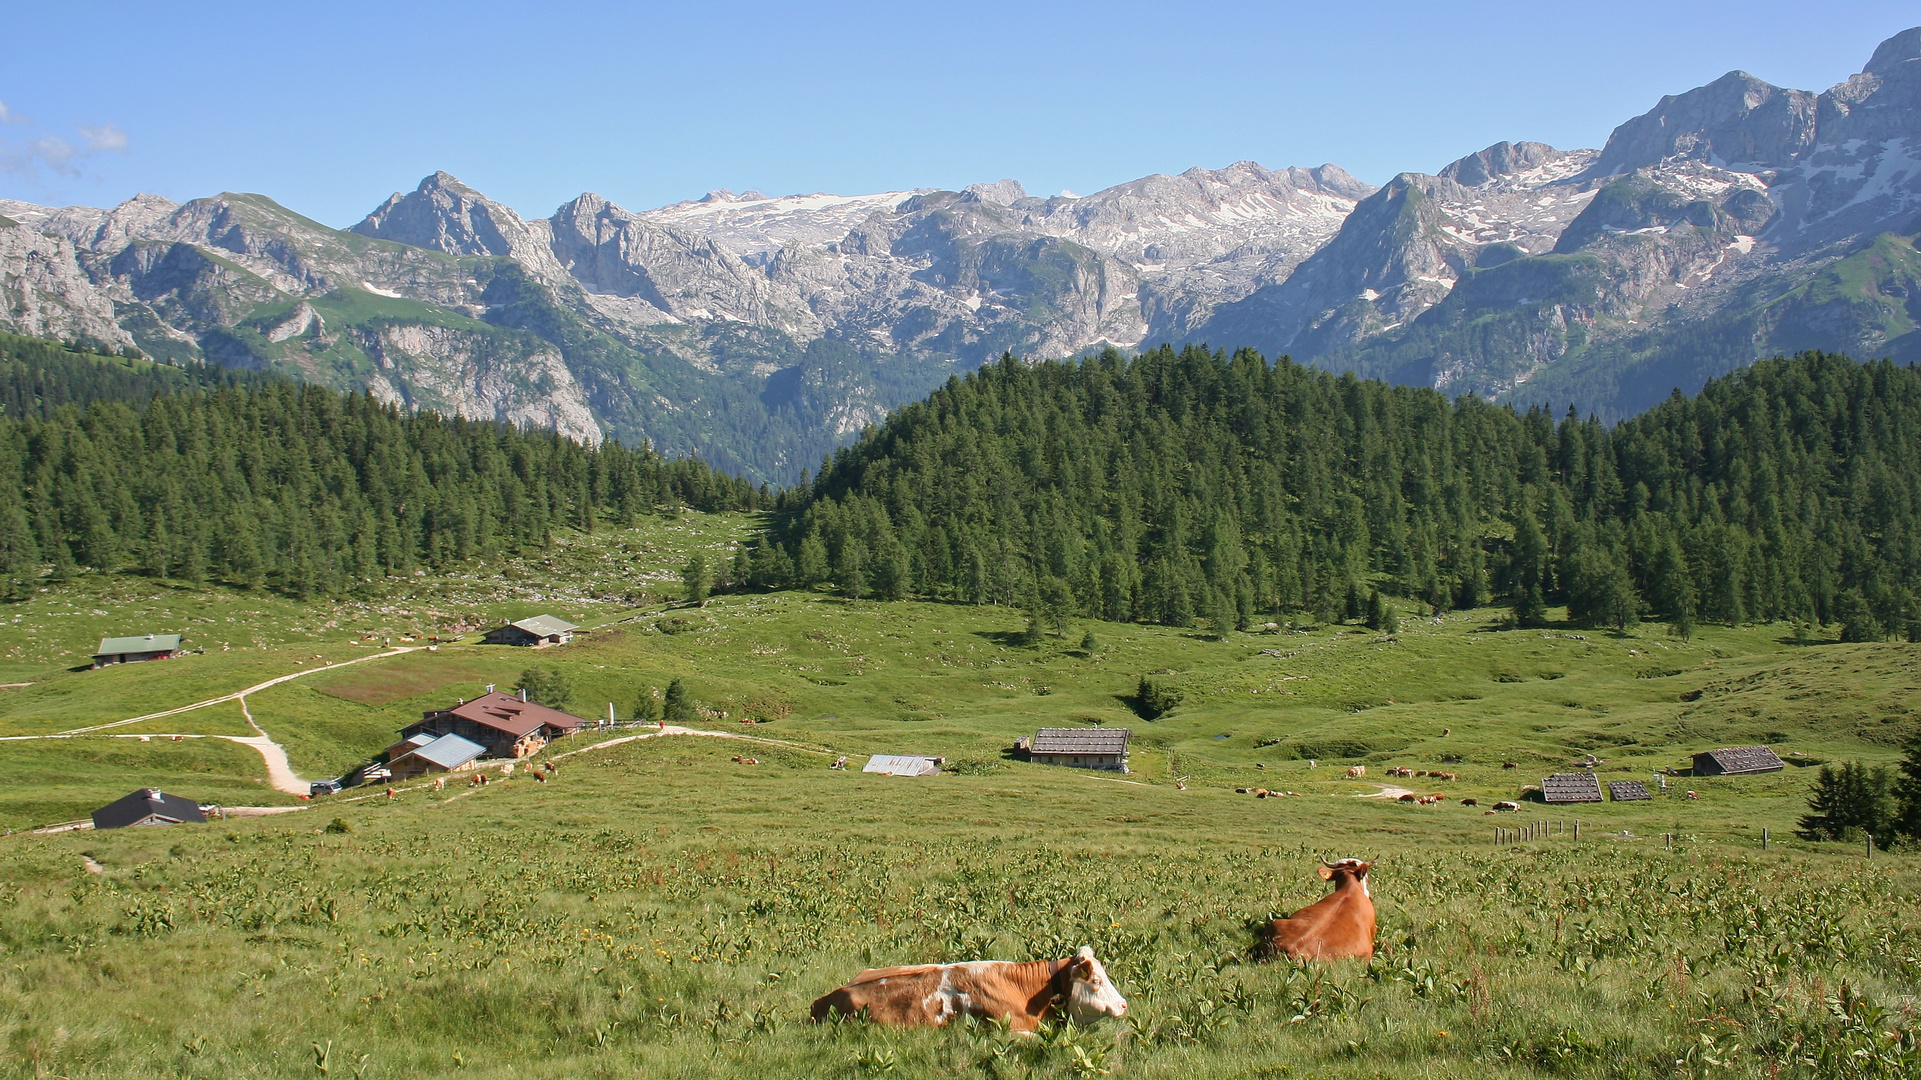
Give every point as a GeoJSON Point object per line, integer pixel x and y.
{"type": "Point", "coordinates": [773, 737]}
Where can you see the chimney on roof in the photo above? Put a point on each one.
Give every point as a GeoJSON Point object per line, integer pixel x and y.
{"type": "Point", "coordinates": [490, 688]}
{"type": "Point", "coordinates": [523, 693]}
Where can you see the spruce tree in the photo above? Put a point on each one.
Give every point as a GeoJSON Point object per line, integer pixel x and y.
{"type": "Point", "coordinates": [678, 708]}
{"type": "Point", "coordinates": [1907, 792]}
{"type": "Point", "coordinates": [693, 578]}
{"type": "Point", "coordinates": [1850, 798]}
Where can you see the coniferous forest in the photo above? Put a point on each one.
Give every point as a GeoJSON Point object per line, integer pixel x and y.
{"type": "Point", "coordinates": [207, 474]}
{"type": "Point", "coordinates": [1191, 488]}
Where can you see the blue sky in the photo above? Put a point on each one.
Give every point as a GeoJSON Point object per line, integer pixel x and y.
{"type": "Point", "coordinates": [328, 108]}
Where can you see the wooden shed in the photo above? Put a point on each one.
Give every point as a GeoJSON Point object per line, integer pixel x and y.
{"type": "Point", "coordinates": [148, 806]}
{"type": "Point", "coordinates": [128, 650]}
{"type": "Point", "coordinates": [537, 632]}
{"type": "Point", "coordinates": [1081, 748]}
{"type": "Point", "coordinates": [1737, 761]}
{"type": "Point", "coordinates": [1571, 787]}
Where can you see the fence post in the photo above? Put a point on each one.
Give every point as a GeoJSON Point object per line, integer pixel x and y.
{"type": "Point", "coordinates": [1764, 839]}
{"type": "Point", "coordinates": [1870, 837]}
{"type": "Point", "coordinates": [1577, 831]}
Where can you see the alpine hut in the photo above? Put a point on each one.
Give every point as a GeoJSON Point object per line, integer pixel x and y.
{"type": "Point", "coordinates": [1737, 761]}
{"type": "Point", "coordinates": [508, 726]}
{"type": "Point", "coordinates": [1081, 748]}
{"type": "Point", "coordinates": [148, 806]}
{"type": "Point", "coordinates": [1628, 790]}
{"type": "Point", "coordinates": [537, 632]}
{"type": "Point", "coordinates": [127, 650]}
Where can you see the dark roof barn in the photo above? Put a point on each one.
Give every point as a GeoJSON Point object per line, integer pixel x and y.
{"type": "Point", "coordinates": [1628, 790]}
{"type": "Point", "coordinates": [1737, 761]}
{"type": "Point", "coordinates": [148, 806]}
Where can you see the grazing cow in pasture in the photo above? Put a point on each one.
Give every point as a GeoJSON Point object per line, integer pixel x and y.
{"type": "Point", "coordinates": [1023, 994]}
{"type": "Point", "coordinates": [440, 783]}
{"type": "Point", "coordinates": [1357, 772]}
{"type": "Point", "coordinates": [1510, 764]}
{"type": "Point", "coordinates": [1470, 801]}
{"type": "Point", "coordinates": [1339, 925]}
{"type": "Point", "coordinates": [1400, 770]}
{"type": "Point", "coordinates": [1510, 807]}
{"type": "Point", "coordinates": [1409, 797]}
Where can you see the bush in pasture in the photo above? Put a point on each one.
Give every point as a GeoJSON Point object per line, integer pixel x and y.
{"type": "Point", "coordinates": [339, 825]}
{"type": "Point", "coordinates": [547, 686]}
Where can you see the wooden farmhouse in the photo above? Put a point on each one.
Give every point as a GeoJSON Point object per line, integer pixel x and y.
{"type": "Point", "coordinates": [506, 725]}
{"type": "Point", "coordinates": [127, 650]}
{"type": "Point", "coordinates": [537, 632]}
{"type": "Point", "coordinates": [1737, 761]}
{"type": "Point", "coordinates": [1571, 787]}
{"type": "Point", "coordinates": [1081, 748]}
{"type": "Point", "coordinates": [148, 806]}
{"type": "Point", "coordinates": [423, 754]}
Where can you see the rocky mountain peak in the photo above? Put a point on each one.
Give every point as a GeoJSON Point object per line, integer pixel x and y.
{"type": "Point", "coordinates": [444, 214]}
{"type": "Point", "coordinates": [1000, 191]}
{"type": "Point", "coordinates": [1501, 159]}
{"type": "Point", "coordinates": [1894, 52]}
{"type": "Point", "coordinates": [1735, 118]}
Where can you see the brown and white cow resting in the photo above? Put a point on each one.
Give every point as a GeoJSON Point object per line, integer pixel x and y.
{"type": "Point", "coordinates": [1024, 994]}
{"type": "Point", "coordinates": [1340, 924]}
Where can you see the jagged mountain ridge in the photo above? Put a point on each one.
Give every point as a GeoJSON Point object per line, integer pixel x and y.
{"type": "Point", "coordinates": [1729, 222]}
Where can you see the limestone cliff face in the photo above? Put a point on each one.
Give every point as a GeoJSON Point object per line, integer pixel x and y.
{"type": "Point", "coordinates": [45, 293]}
{"type": "Point", "coordinates": [461, 373]}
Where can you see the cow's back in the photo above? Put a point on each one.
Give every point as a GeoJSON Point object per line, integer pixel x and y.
{"type": "Point", "coordinates": [896, 996]}
{"type": "Point", "coordinates": [1333, 928]}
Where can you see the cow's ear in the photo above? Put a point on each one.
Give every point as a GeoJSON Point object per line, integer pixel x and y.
{"type": "Point", "coordinates": [1327, 872]}
{"type": "Point", "coordinates": [1361, 870]}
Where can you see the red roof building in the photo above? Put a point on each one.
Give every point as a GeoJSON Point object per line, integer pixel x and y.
{"type": "Point", "coordinates": [507, 726]}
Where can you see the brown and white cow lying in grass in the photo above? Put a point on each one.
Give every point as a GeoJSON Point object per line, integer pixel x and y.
{"type": "Point", "coordinates": [1023, 994]}
{"type": "Point", "coordinates": [1339, 925]}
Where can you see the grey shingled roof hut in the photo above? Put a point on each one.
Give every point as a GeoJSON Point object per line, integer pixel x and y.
{"type": "Point", "coordinates": [148, 806]}
{"type": "Point", "coordinates": [1737, 761]}
{"type": "Point", "coordinates": [1628, 790]}
{"type": "Point", "coordinates": [1571, 787]}
{"type": "Point", "coordinates": [1081, 748]}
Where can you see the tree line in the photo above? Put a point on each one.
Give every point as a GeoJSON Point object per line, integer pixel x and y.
{"type": "Point", "coordinates": [301, 488]}
{"type": "Point", "coordinates": [37, 377]}
{"type": "Point", "coordinates": [1192, 488]}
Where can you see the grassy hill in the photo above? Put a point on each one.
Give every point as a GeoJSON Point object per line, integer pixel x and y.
{"type": "Point", "coordinates": [662, 910]}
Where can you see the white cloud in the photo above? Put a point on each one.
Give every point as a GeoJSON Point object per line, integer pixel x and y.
{"type": "Point", "coordinates": [8, 116]}
{"type": "Point", "coordinates": [26, 157]}
{"type": "Point", "coordinates": [104, 138]}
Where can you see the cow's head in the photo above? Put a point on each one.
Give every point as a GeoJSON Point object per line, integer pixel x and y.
{"type": "Point", "coordinates": [1344, 870]}
{"type": "Point", "coordinates": [1090, 995]}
